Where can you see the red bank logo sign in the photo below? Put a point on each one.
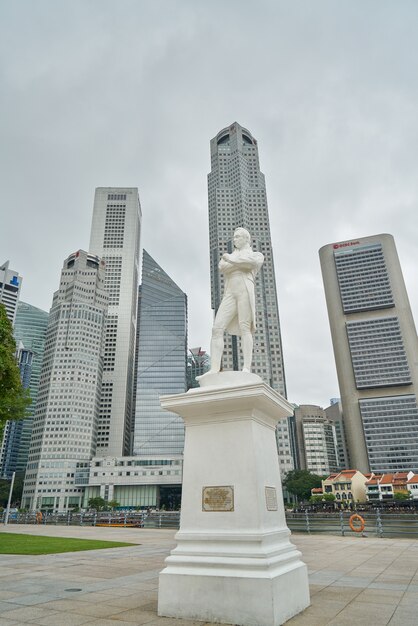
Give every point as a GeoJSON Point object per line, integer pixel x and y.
{"type": "Point", "coordinates": [345, 244]}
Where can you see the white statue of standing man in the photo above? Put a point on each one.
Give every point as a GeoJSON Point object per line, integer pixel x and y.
{"type": "Point", "coordinates": [236, 313]}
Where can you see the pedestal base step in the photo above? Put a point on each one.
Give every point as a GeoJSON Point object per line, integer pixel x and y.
{"type": "Point", "coordinates": [245, 601]}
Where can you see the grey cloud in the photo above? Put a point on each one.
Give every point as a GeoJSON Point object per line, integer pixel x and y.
{"type": "Point", "coordinates": [103, 93]}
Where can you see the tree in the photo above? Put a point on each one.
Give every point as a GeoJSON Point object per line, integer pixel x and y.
{"type": "Point", "coordinates": [14, 399]}
{"type": "Point", "coordinates": [5, 489]}
{"type": "Point", "coordinates": [98, 503]}
{"type": "Point", "coordinates": [401, 495]}
{"type": "Point", "coordinates": [300, 482]}
{"type": "Point", "coordinates": [113, 504]}
{"type": "Point", "coordinates": [325, 497]}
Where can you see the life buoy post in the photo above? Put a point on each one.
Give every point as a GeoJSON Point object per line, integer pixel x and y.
{"type": "Point", "coordinates": [357, 523]}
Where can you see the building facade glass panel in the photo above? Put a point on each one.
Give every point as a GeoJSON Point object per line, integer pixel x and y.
{"type": "Point", "coordinates": [162, 359]}
{"type": "Point", "coordinates": [29, 330]}
{"type": "Point", "coordinates": [391, 432]}
{"type": "Point", "coordinates": [363, 278]}
{"type": "Point", "coordinates": [378, 353]}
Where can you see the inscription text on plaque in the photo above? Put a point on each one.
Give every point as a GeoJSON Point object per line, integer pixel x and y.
{"type": "Point", "coordinates": [218, 498]}
{"type": "Point", "coordinates": [271, 498]}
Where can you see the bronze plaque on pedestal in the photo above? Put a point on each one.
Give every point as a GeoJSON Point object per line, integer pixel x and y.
{"type": "Point", "coordinates": [218, 498]}
{"type": "Point", "coordinates": [271, 498]}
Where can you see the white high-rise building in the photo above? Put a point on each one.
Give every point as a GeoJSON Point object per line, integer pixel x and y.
{"type": "Point", "coordinates": [65, 425]}
{"type": "Point", "coordinates": [115, 235]}
{"type": "Point", "coordinates": [10, 284]}
{"type": "Point", "coordinates": [316, 440]}
{"type": "Point", "coordinates": [237, 197]}
{"type": "Point", "coordinates": [334, 413]}
{"type": "Point", "coordinates": [376, 352]}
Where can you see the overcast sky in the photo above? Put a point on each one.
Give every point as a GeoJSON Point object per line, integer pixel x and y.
{"type": "Point", "coordinates": [98, 93]}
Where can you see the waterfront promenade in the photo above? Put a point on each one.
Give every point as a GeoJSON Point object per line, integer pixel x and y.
{"type": "Point", "coordinates": [353, 580]}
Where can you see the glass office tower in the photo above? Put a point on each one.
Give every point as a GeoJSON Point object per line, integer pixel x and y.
{"type": "Point", "coordinates": [198, 363]}
{"type": "Point", "coordinates": [30, 328]}
{"type": "Point", "coordinates": [161, 361]}
{"type": "Point", "coordinates": [14, 430]}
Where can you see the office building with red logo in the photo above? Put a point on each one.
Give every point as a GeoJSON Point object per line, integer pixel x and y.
{"type": "Point", "coordinates": [376, 352]}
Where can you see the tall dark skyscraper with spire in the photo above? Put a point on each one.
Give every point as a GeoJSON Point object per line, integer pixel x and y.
{"type": "Point", "coordinates": [237, 197]}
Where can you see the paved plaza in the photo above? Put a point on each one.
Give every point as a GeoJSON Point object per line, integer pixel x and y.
{"type": "Point", "coordinates": [353, 581]}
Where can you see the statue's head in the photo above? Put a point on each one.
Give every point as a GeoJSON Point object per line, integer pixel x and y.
{"type": "Point", "coordinates": [241, 237]}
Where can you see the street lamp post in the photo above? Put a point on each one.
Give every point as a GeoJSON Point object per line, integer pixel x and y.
{"type": "Point", "coordinates": [6, 519]}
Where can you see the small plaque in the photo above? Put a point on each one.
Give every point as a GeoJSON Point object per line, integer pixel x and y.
{"type": "Point", "coordinates": [271, 498]}
{"type": "Point", "coordinates": [218, 498]}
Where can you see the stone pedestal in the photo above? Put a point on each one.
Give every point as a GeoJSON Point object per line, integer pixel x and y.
{"type": "Point", "coordinates": [234, 562]}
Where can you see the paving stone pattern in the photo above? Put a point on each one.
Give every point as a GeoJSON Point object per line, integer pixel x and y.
{"type": "Point", "coordinates": [354, 581]}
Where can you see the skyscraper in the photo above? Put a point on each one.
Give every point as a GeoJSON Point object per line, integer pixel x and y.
{"type": "Point", "coordinates": [334, 413]}
{"type": "Point", "coordinates": [65, 425]}
{"type": "Point", "coordinates": [376, 352]}
{"type": "Point", "coordinates": [316, 440]}
{"type": "Point", "coordinates": [161, 362]}
{"type": "Point", "coordinates": [198, 363]}
{"type": "Point", "coordinates": [237, 197]}
{"type": "Point", "coordinates": [115, 234]}
{"type": "Point", "coordinates": [10, 284]}
{"type": "Point", "coordinates": [13, 429]}
{"type": "Point", "coordinates": [29, 330]}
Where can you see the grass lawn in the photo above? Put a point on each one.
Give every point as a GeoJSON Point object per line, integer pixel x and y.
{"type": "Point", "coordinates": [11, 543]}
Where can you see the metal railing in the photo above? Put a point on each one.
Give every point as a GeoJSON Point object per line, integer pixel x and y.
{"type": "Point", "coordinates": [377, 522]}
{"type": "Point", "coordinates": [90, 518]}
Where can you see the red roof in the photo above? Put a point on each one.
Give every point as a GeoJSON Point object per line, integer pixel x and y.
{"type": "Point", "coordinates": [400, 478]}
{"type": "Point", "coordinates": [346, 474]}
{"type": "Point", "coordinates": [316, 490]}
{"type": "Point", "coordinates": [331, 477]}
{"type": "Point", "coordinates": [387, 479]}
{"type": "Point", "coordinates": [413, 479]}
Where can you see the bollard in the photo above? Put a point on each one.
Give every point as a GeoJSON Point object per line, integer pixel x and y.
{"type": "Point", "coordinates": [342, 523]}
{"type": "Point", "coordinates": [379, 525]}
{"type": "Point", "coordinates": [308, 528]}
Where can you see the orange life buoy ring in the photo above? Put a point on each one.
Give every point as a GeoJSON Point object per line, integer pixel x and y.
{"type": "Point", "coordinates": [356, 523]}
